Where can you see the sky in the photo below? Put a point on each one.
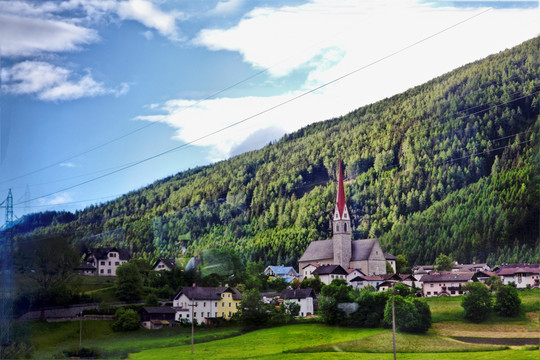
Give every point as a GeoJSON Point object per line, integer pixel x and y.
{"type": "Point", "coordinates": [102, 97]}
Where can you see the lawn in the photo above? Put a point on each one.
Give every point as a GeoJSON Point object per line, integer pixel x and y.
{"type": "Point", "coordinates": [315, 341]}
{"type": "Point", "coordinates": [50, 339]}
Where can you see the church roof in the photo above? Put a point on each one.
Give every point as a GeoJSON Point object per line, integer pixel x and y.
{"type": "Point", "coordinates": [340, 200]}
{"type": "Point", "coordinates": [318, 250]}
{"type": "Point", "coordinates": [324, 249]}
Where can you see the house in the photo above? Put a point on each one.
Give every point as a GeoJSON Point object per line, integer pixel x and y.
{"type": "Point", "coordinates": [387, 285]}
{"type": "Point", "coordinates": [365, 255]}
{"type": "Point", "coordinates": [420, 271]}
{"type": "Point", "coordinates": [522, 275]}
{"type": "Point", "coordinates": [269, 297]}
{"type": "Point", "coordinates": [391, 259]}
{"type": "Point", "coordinates": [307, 270]}
{"type": "Point", "coordinates": [104, 261]}
{"type": "Point", "coordinates": [155, 317]}
{"type": "Point", "coordinates": [446, 283]}
{"type": "Point", "coordinates": [209, 303]}
{"type": "Point", "coordinates": [470, 267]}
{"type": "Point", "coordinates": [363, 281]}
{"type": "Point", "coordinates": [164, 264]}
{"type": "Point", "coordinates": [327, 273]}
{"type": "Point", "coordinates": [304, 297]}
{"type": "Point", "coordinates": [285, 272]}
{"type": "Point", "coordinates": [409, 280]}
{"type": "Point", "coordinates": [352, 273]}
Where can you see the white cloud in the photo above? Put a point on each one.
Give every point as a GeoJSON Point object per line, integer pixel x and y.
{"type": "Point", "coordinates": [25, 36]}
{"type": "Point", "coordinates": [227, 7]}
{"type": "Point", "coordinates": [327, 39]}
{"type": "Point", "coordinates": [67, 164]}
{"type": "Point", "coordinates": [52, 83]}
{"type": "Point", "coordinates": [150, 16]}
{"type": "Point", "coordinates": [56, 199]}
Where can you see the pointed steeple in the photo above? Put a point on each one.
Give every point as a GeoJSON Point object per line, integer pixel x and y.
{"type": "Point", "coordinates": [340, 199]}
{"type": "Point", "coordinates": [342, 226]}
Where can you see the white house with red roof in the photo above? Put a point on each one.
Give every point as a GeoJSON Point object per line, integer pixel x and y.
{"type": "Point", "coordinates": [521, 275]}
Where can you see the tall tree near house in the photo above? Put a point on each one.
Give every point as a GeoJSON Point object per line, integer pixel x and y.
{"type": "Point", "coordinates": [444, 263]}
{"type": "Point", "coordinates": [49, 264]}
{"type": "Point", "coordinates": [128, 282]}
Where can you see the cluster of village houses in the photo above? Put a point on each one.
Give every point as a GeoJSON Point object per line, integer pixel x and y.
{"type": "Point", "coordinates": [360, 263]}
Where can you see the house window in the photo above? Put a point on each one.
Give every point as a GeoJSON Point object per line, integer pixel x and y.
{"type": "Point", "coordinates": [431, 285]}
{"type": "Point", "coordinates": [229, 304]}
{"type": "Point", "coordinates": [102, 262]}
{"type": "Point", "coordinates": [204, 304]}
{"type": "Point", "coordinates": [435, 292]}
{"type": "Point", "coordinates": [345, 227]}
{"type": "Point", "coordinates": [116, 263]}
{"type": "Point", "coordinates": [194, 314]}
{"type": "Point", "coordinates": [109, 263]}
{"type": "Point", "coordinates": [180, 315]}
{"type": "Point", "coordinates": [222, 313]}
{"type": "Point", "coordinates": [101, 271]}
{"type": "Point", "coordinates": [208, 314]}
{"type": "Point", "coordinates": [228, 295]}
{"type": "Point", "coordinates": [216, 305]}
{"type": "Point", "coordinates": [229, 314]}
{"type": "Point", "coordinates": [187, 315]}
{"type": "Point", "coordinates": [429, 293]}
{"type": "Point", "coordinates": [215, 315]}
{"type": "Point", "coordinates": [108, 271]}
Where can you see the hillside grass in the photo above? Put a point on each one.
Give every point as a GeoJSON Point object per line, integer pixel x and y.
{"type": "Point", "coordinates": [317, 341]}
{"type": "Point", "coordinates": [50, 339]}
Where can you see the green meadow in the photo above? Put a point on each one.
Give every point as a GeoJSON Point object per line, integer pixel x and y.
{"type": "Point", "coordinates": [302, 340]}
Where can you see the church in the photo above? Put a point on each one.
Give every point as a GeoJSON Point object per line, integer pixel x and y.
{"type": "Point", "coordinates": [365, 255]}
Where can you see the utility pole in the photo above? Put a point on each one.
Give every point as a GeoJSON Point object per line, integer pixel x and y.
{"type": "Point", "coordinates": [393, 322]}
{"type": "Point", "coordinates": [193, 304]}
{"type": "Point", "coordinates": [80, 330]}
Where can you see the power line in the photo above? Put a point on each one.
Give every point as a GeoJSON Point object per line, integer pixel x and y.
{"type": "Point", "coordinates": [294, 98]}
{"type": "Point", "coordinates": [213, 95]}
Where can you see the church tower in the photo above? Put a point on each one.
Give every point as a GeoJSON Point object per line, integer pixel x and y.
{"type": "Point", "coordinates": [342, 226]}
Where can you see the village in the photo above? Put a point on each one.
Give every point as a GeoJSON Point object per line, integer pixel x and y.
{"type": "Point", "coordinates": [357, 263]}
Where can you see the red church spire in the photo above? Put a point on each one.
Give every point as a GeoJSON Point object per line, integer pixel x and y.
{"type": "Point", "coordinates": [340, 200]}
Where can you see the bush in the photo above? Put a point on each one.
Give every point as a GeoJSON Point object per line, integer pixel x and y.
{"type": "Point", "coordinates": [329, 311]}
{"type": "Point", "coordinates": [127, 320]}
{"type": "Point", "coordinates": [370, 311]}
{"type": "Point", "coordinates": [477, 303]}
{"type": "Point", "coordinates": [507, 301]}
{"type": "Point", "coordinates": [412, 315]}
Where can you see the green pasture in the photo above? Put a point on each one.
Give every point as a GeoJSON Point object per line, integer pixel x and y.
{"type": "Point", "coordinates": [317, 341]}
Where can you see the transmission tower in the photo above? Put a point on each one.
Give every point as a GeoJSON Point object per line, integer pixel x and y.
{"type": "Point", "coordinates": [6, 275]}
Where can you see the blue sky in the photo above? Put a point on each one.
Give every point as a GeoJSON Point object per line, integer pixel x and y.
{"type": "Point", "coordinates": [92, 86]}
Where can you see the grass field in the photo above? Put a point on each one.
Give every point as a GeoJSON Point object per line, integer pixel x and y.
{"type": "Point", "coordinates": [317, 341]}
{"type": "Point", "coordinates": [299, 341]}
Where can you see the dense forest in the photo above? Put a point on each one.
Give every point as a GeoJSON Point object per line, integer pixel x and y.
{"type": "Point", "coordinates": [451, 166]}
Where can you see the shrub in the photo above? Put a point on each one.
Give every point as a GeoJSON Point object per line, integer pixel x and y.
{"type": "Point", "coordinates": [127, 320]}
{"type": "Point", "coordinates": [329, 311]}
{"type": "Point", "coordinates": [477, 303]}
{"type": "Point", "coordinates": [370, 311]}
{"type": "Point", "coordinates": [412, 315]}
{"type": "Point", "coordinates": [507, 301]}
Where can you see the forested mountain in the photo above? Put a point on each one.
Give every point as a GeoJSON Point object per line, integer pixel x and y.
{"type": "Point", "coordinates": [451, 166]}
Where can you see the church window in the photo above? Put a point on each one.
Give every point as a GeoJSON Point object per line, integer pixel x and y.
{"type": "Point", "coordinates": [345, 227]}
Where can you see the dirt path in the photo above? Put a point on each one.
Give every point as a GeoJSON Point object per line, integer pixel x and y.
{"type": "Point", "coordinates": [499, 341]}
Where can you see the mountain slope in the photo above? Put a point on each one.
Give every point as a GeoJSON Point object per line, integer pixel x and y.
{"type": "Point", "coordinates": [423, 167]}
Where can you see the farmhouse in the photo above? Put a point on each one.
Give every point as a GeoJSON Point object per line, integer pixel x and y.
{"type": "Point", "coordinates": [285, 272]}
{"type": "Point", "coordinates": [304, 297]}
{"type": "Point", "coordinates": [522, 275]}
{"type": "Point", "coordinates": [209, 303]}
{"type": "Point", "coordinates": [104, 261]}
{"type": "Point", "coordinates": [155, 317]}
{"type": "Point", "coordinates": [446, 284]}
{"type": "Point", "coordinates": [164, 265]}
{"type": "Point", "coordinates": [365, 255]}
{"type": "Point", "coordinates": [363, 281]}
{"type": "Point", "coordinates": [327, 273]}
